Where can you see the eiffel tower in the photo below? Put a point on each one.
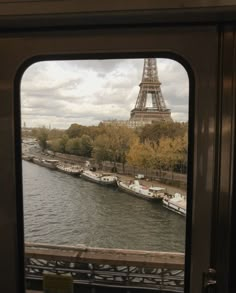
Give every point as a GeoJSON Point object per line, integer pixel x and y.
{"type": "Point", "coordinates": [150, 88]}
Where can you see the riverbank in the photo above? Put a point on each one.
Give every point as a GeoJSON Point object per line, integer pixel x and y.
{"type": "Point", "coordinates": [32, 149]}
{"type": "Point", "coordinates": [169, 189]}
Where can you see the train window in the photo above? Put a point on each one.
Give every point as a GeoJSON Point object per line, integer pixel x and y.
{"type": "Point", "coordinates": [83, 258]}
{"type": "Point", "coordinates": [105, 151]}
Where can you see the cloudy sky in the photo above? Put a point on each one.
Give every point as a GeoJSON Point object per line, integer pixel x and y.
{"type": "Point", "coordinates": [59, 93]}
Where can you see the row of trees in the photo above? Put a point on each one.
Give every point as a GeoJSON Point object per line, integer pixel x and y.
{"type": "Point", "coordinates": [157, 146]}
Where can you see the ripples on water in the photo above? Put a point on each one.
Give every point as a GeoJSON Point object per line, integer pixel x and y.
{"type": "Point", "coordinates": [61, 209]}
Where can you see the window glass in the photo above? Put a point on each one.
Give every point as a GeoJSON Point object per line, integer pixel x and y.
{"type": "Point", "coordinates": [104, 149]}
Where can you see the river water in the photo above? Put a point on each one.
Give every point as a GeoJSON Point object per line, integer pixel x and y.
{"type": "Point", "coordinates": [61, 209]}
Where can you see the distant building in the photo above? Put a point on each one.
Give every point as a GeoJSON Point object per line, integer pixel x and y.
{"type": "Point", "coordinates": [128, 123]}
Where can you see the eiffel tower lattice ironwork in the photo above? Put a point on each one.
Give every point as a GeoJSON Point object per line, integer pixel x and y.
{"type": "Point", "coordinates": [150, 88]}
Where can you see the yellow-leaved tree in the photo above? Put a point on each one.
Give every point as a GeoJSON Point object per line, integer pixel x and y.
{"type": "Point", "coordinates": [140, 155]}
{"type": "Point", "coordinates": [113, 144]}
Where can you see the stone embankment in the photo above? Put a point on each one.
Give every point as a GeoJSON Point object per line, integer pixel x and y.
{"type": "Point", "coordinates": [150, 181]}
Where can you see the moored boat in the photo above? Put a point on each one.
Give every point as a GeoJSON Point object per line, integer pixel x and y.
{"type": "Point", "coordinates": [51, 164]}
{"type": "Point", "coordinates": [176, 203]}
{"type": "Point", "coordinates": [142, 191]}
{"type": "Point", "coordinates": [100, 178]}
{"type": "Point", "coordinates": [28, 158]}
{"type": "Point", "coordinates": [75, 170]}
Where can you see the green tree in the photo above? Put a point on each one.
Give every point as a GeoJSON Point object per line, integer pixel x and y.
{"type": "Point", "coordinates": [86, 145]}
{"type": "Point", "coordinates": [54, 145]}
{"type": "Point", "coordinates": [75, 130]}
{"type": "Point", "coordinates": [34, 132]}
{"type": "Point", "coordinates": [63, 142]}
{"type": "Point", "coordinates": [42, 136]}
{"type": "Point", "coordinates": [73, 146]}
{"type": "Point", "coordinates": [55, 133]}
{"type": "Point", "coordinates": [100, 152]}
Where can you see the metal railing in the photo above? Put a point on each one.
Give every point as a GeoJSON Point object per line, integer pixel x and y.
{"type": "Point", "coordinates": [160, 271]}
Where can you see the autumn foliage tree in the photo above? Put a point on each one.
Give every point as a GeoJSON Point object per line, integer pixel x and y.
{"type": "Point", "coordinates": [154, 132]}
{"type": "Point", "coordinates": [158, 146]}
{"type": "Point", "coordinates": [169, 152]}
{"type": "Point", "coordinates": [140, 155]}
{"type": "Point", "coordinates": [41, 135]}
{"type": "Point", "coordinates": [113, 144]}
{"type": "Point", "coordinates": [165, 154]}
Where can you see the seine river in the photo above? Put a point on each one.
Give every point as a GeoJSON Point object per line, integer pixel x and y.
{"type": "Point", "coordinates": [61, 209]}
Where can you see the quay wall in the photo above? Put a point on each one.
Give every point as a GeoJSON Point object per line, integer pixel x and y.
{"type": "Point", "coordinates": [163, 176]}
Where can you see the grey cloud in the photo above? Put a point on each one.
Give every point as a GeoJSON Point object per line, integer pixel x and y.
{"type": "Point", "coordinates": [114, 95]}
{"type": "Point", "coordinates": [111, 96]}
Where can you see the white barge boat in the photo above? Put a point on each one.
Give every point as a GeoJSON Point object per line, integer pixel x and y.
{"type": "Point", "coordinates": [142, 191]}
{"type": "Point", "coordinates": [51, 164]}
{"type": "Point", "coordinates": [100, 178]}
{"type": "Point", "coordinates": [175, 203]}
{"type": "Point", "coordinates": [75, 170]}
{"type": "Point", "coordinates": [28, 158]}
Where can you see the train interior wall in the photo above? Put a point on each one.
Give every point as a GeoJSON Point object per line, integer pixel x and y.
{"type": "Point", "coordinates": [207, 45]}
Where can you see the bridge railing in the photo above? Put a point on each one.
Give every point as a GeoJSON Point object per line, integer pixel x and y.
{"type": "Point", "coordinates": [160, 271]}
